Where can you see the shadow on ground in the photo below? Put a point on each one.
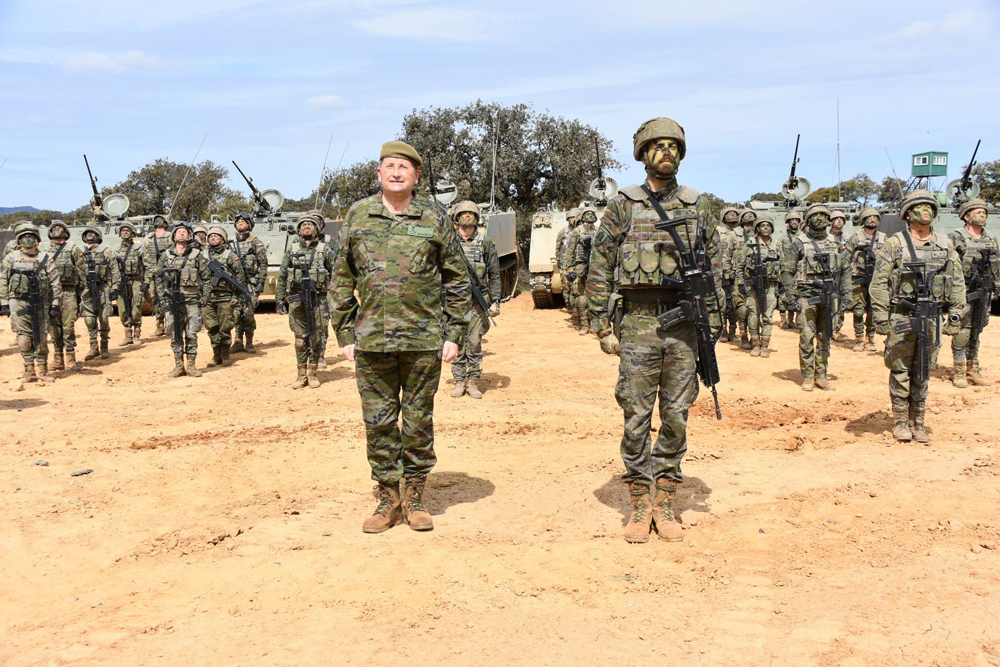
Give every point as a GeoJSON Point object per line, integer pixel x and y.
{"type": "Point", "coordinates": [447, 489]}
{"type": "Point", "coordinates": [692, 496]}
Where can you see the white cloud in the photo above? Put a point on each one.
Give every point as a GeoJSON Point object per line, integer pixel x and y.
{"type": "Point", "coordinates": [455, 25]}
{"type": "Point", "coordinates": [94, 62]}
{"type": "Point", "coordinates": [325, 101]}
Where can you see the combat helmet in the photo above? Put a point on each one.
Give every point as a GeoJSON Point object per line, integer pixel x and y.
{"type": "Point", "coordinates": [727, 210]}
{"type": "Point", "coordinates": [837, 214]}
{"type": "Point", "coordinates": [917, 197]}
{"type": "Point", "coordinates": [221, 231]}
{"type": "Point", "coordinates": [95, 230]}
{"type": "Point", "coordinates": [309, 217]}
{"type": "Point", "coordinates": [243, 215]}
{"type": "Point", "coordinates": [318, 218]}
{"type": "Point", "coordinates": [25, 227]}
{"type": "Point", "coordinates": [869, 212]}
{"type": "Point", "coordinates": [588, 210]}
{"type": "Point", "coordinates": [572, 214]}
{"type": "Point", "coordinates": [58, 224]}
{"type": "Point", "coordinates": [760, 221]}
{"type": "Point", "coordinates": [182, 225]}
{"type": "Point", "coordinates": [971, 205]}
{"type": "Point", "coordinates": [160, 221]}
{"type": "Point", "coordinates": [128, 226]}
{"type": "Point", "coordinates": [818, 209]}
{"type": "Point", "coordinates": [793, 215]}
{"type": "Point", "coordinates": [746, 211]}
{"type": "Point", "coordinates": [658, 128]}
{"type": "Point", "coordinates": [468, 206]}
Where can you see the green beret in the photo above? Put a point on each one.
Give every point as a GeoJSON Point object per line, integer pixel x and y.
{"type": "Point", "coordinates": [401, 149]}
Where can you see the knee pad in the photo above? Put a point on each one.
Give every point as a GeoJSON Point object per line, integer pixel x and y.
{"type": "Point", "coordinates": [24, 343]}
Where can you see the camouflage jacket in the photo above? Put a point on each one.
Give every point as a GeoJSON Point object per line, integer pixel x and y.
{"type": "Point", "coordinates": [627, 254]}
{"type": "Point", "coordinates": [803, 268]}
{"type": "Point", "coordinates": [482, 256]}
{"type": "Point", "coordinates": [68, 261]}
{"type": "Point", "coordinates": [408, 269]}
{"type": "Point", "coordinates": [859, 247]}
{"type": "Point", "coordinates": [584, 245]}
{"type": "Point", "coordinates": [561, 247]}
{"type": "Point", "coordinates": [14, 284]}
{"type": "Point", "coordinates": [130, 260]}
{"type": "Point", "coordinates": [971, 249]}
{"type": "Point", "coordinates": [195, 278]}
{"type": "Point", "coordinates": [317, 258]}
{"type": "Point", "coordinates": [892, 281]}
{"type": "Point", "coordinates": [771, 256]}
{"type": "Point", "coordinates": [222, 290]}
{"type": "Point", "coordinates": [734, 240]}
{"type": "Point", "coordinates": [100, 261]}
{"type": "Point", "coordinates": [254, 255]}
{"type": "Point", "coordinates": [154, 248]}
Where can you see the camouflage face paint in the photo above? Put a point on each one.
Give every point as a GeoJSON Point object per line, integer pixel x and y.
{"type": "Point", "coordinates": [731, 218]}
{"type": "Point", "coordinates": [214, 240]}
{"type": "Point", "coordinates": [921, 213]}
{"type": "Point", "coordinates": [662, 156]}
{"type": "Point", "coordinates": [871, 222]}
{"type": "Point", "coordinates": [977, 217]}
{"type": "Point", "coordinates": [28, 241]}
{"type": "Point", "coordinates": [467, 218]}
{"type": "Point", "coordinates": [766, 229]}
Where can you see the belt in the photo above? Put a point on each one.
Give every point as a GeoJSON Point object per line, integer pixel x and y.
{"type": "Point", "coordinates": [649, 300]}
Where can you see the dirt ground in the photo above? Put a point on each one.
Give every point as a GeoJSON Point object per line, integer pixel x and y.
{"type": "Point", "coordinates": [222, 521]}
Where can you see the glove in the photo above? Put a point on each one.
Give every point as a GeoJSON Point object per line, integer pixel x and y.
{"type": "Point", "coordinates": [610, 344]}
{"type": "Point", "coordinates": [144, 287]}
{"type": "Point", "coordinates": [281, 307]}
{"type": "Point", "coordinates": [114, 295]}
{"type": "Point", "coordinates": [572, 276]}
{"type": "Point", "coordinates": [54, 311]}
{"type": "Point", "coordinates": [743, 289]}
{"type": "Point", "coordinates": [495, 310]}
{"type": "Point", "coordinates": [882, 328]}
{"type": "Point", "coordinates": [4, 311]}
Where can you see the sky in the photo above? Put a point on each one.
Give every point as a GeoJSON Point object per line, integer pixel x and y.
{"type": "Point", "coordinates": [128, 82]}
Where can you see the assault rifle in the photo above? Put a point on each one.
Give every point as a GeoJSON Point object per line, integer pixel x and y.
{"type": "Point", "coordinates": [828, 287]}
{"type": "Point", "coordinates": [306, 293]}
{"type": "Point", "coordinates": [924, 314]}
{"type": "Point", "coordinates": [36, 305]}
{"type": "Point", "coordinates": [262, 204]}
{"type": "Point", "coordinates": [172, 283]}
{"type": "Point", "coordinates": [697, 286]}
{"type": "Point", "coordinates": [219, 274]}
{"type": "Point", "coordinates": [869, 251]}
{"type": "Point", "coordinates": [93, 284]}
{"type": "Point", "coordinates": [98, 200]}
{"type": "Point", "coordinates": [758, 280]}
{"type": "Point", "coordinates": [252, 300]}
{"type": "Point", "coordinates": [124, 288]}
{"type": "Point", "coordinates": [981, 288]}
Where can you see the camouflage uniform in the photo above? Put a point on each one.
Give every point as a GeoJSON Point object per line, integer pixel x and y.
{"type": "Point", "coordinates": [400, 265]}
{"type": "Point", "coordinates": [741, 235]}
{"type": "Point", "coordinates": [837, 234]}
{"type": "Point", "coordinates": [766, 252]}
{"type": "Point", "coordinates": [218, 316]}
{"type": "Point", "coordinates": [803, 262]}
{"type": "Point", "coordinates": [254, 260]}
{"type": "Point", "coordinates": [566, 263]}
{"type": "Point", "coordinates": [10, 247]}
{"type": "Point", "coordinates": [583, 244]}
{"type": "Point", "coordinates": [729, 234]}
{"type": "Point", "coordinates": [67, 259]}
{"type": "Point", "coordinates": [786, 305]}
{"type": "Point", "coordinates": [19, 269]}
{"type": "Point", "coordinates": [154, 247]}
{"type": "Point", "coordinates": [891, 283]}
{"type": "Point", "coordinates": [482, 256]}
{"type": "Point", "coordinates": [129, 273]}
{"type": "Point", "coordinates": [190, 270]}
{"type": "Point", "coordinates": [316, 259]}
{"type": "Point", "coordinates": [861, 249]}
{"type": "Point", "coordinates": [95, 303]}
{"type": "Point", "coordinates": [971, 250]}
{"type": "Point", "coordinates": [631, 257]}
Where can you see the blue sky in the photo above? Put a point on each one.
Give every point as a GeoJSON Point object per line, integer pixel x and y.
{"type": "Point", "coordinates": [128, 82]}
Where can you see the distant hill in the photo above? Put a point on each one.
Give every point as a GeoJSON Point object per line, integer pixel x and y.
{"type": "Point", "coordinates": [20, 209]}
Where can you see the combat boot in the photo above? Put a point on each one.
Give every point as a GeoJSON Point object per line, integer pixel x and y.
{"type": "Point", "coordinates": [216, 357]}
{"type": "Point", "coordinates": [974, 376]}
{"type": "Point", "coordinates": [807, 383]}
{"type": "Point", "coordinates": [663, 514]}
{"type": "Point", "coordinates": [94, 351]}
{"type": "Point", "coordinates": [859, 344]}
{"type": "Point", "coordinates": [901, 426]}
{"type": "Point", "coordinates": [583, 330]}
{"type": "Point", "coordinates": [42, 370]}
{"type": "Point", "coordinates": [745, 340]}
{"type": "Point", "coordinates": [191, 369]}
{"type": "Point", "coordinates": [57, 361]}
{"type": "Point", "coordinates": [414, 512]}
{"type": "Point", "coordinates": [226, 361]}
{"type": "Point", "coordinates": [958, 377]}
{"type": "Point", "coordinates": [136, 338]}
{"type": "Point", "coordinates": [640, 522]}
{"type": "Point", "coordinates": [70, 358]}
{"type": "Point", "coordinates": [459, 389]}
{"type": "Point", "coordinates": [29, 372]}
{"type": "Point", "coordinates": [128, 337]}
{"type": "Point", "coordinates": [250, 349]}
{"type": "Point", "coordinates": [388, 512]}
{"type": "Point", "coordinates": [159, 329]}
{"type": "Point", "coordinates": [472, 388]}
{"type": "Point", "coordinates": [724, 335]}
{"type": "Point", "coordinates": [300, 380]}
{"type": "Point", "coordinates": [732, 333]}
{"type": "Point", "coordinates": [321, 364]}
{"type": "Point", "coordinates": [765, 346]}
{"type": "Point", "coordinates": [917, 430]}
{"type": "Point", "coordinates": [870, 343]}
{"type": "Point", "coordinates": [755, 347]}
{"type": "Point", "coordinates": [784, 319]}
{"type": "Point", "coordinates": [104, 348]}
{"type": "Point", "coordinates": [237, 345]}
{"type": "Point", "coordinates": [178, 369]}
{"type": "Point", "coordinates": [314, 382]}
{"type": "Point", "coordinates": [823, 383]}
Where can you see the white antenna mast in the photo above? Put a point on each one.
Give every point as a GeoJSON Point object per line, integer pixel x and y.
{"type": "Point", "coordinates": [184, 180]}
{"type": "Point", "coordinates": [839, 196]}
{"type": "Point", "coordinates": [322, 173]}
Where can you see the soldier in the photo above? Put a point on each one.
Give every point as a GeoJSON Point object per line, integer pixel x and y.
{"type": "Point", "coordinates": [25, 277]}
{"type": "Point", "coordinates": [324, 302]}
{"type": "Point", "coordinates": [583, 244]}
{"type": "Point", "coordinates": [127, 275]}
{"type": "Point", "coordinates": [837, 221]}
{"type": "Point", "coordinates": [980, 255]}
{"type": "Point", "coordinates": [200, 240]}
{"type": "Point", "coordinates": [915, 260]}
{"type": "Point", "coordinates": [8, 248]}
{"type": "Point", "coordinates": [565, 262]}
{"type": "Point", "coordinates": [96, 299]}
{"type": "Point", "coordinates": [793, 220]}
{"type": "Point", "coordinates": [482, 257]}
{"type": "Point", "coordinates": [221, 300]}
{"type": "Point", "coordinates": [758, 267]}
{"type": "Point", "coordinates": [729, 233]}
{"type": "Point", "coordinates": [819, 270]}
{"type": "Point", "coordinates": [67, 259]}
{"type": "Point", "coordinates": [182, 273]}
{"type": "Point", "coordinates": [632, 257]}
{"type": "Point", "coordinates": [252, 256]}
{"type": "Point", "coordinates": [862, 249]}
{"type": "Point", "coordinates": [155, 245]}
{"type": "Point", "coordinates": [306, 270]}
{"type": "Point", "coordinates": [402, 256]}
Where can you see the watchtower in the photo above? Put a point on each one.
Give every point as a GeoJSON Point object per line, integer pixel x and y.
{"type": "Point", "coordinates": [925, 167]}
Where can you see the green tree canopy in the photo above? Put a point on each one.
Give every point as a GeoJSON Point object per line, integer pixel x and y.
{"type": "Point", "coordinates": [340, 188]}
{"type": "Point", "coordinates": [861, 189]}
{"type": "Point", "coordinates": [987, 174]}
{"type": "Point", "coordinates": [151, 189]}
{"type": "Point", "coordinates": [768, 196]}
{"type": "Point", "coordinates": [889, 191]}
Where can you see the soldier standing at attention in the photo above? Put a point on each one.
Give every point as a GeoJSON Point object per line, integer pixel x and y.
{"type": "Point", "coordinates": [584, 243]}
{"type": "Point", "coordinates": [632, 257]}
{"type": "Point", "coordinates": [566, 264]}
{"type": "Point", "coordinates": [861, 250]}
{"type": "Point", "coordinates": [96, 299]}
{"type": "Point", "coordinates": [156, 244]}
{"type": "Point", "coordinates": [405, 261]}
{"type": "Point", "coordinates": [793, 220]}
{"type": "Point", "coordinates": [219, 309]}
{"type": "Point", "coordinates": [252, 256]}
{"type": "Point", "coordinates": [915, 260]}
{"type": "Point", "coordinates": [130, 265]}
{"type": "Point", "coordinates": [727, 235]}
{"type": "Point", "coordinates": [980, 255]}
{"type": "Point", "coordinates": [184, 269]}
{"type": "Point", "coordinates": [200, 240]}
{"type": "Point", "coordinates": [814, 254]}
{"type": "Point", "coordinates": [306, 270]}
{"type": "Point", "coordinates": [23, 272]}
{"type": "Point", "coordinates": [762, 254]}
{"type": "Point", "coordinates": [10, 247]}
{"type": "Point", "coordinates": [482, 257]}
{"type": "Point", "coordinates": [67, 259]}
{"type": "Point", "coordinates": [837, 221]}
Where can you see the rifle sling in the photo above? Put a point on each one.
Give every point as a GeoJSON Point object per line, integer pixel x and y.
{"type": "Point", "coordinates": [655, 203]}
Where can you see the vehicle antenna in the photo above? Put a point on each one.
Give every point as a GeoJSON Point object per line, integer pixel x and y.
{"type": "Point", "coordinates": [323, 172]}
{"type": "Point", "coordinates": [184, 180]}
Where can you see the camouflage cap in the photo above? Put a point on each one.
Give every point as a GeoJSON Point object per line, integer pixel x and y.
{"type": "Point", "coordinates": [25, 227]}
{"type": "Point", "coordinates": [917, 197]}
{"type": "Point", "coordinates": [92, 230]}
{"type": "Point", "coordinates": [658, 128]}
{"type": "Point", "coordinates": [466, 206]}
{"type": "Point", "coordinates": [221, 231]}
{"type": "Point", "coordinates": [129, 226]}
{"type": "Point", "coordinates": [793, 215]}
{"type": "Point", "coordinates": [401, 149]}
{"type": "Point", "coordinates": [58, 224]}
{"type": "Point", "coordinates": [972, 205]}
{"type": "Point", "coordinates": [761, 220]}
{"type": "Point", "coordinates": [588, 214]}
{"type": "Point", "coordinates": [869, 212]}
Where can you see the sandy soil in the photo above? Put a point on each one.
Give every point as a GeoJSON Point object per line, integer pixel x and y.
{"type": "Point", "coordinates": [222, 521]}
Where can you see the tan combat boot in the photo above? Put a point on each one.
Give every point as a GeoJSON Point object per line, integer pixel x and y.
{"type": "Point", "coordinates": [472, 388]}
{"type": "Point", "coordinates": [128, 337]}
{"type": "Point", "coordinates": [300, 380]}
{"type": "Point", "coordinates": [663, 514]}
{"type": "Point", "coordinates": [237, 345]}
{"type": "Point", "coordinates": [745, 340]}
{"type": "Point", "coordinates": [765, 346]}
{"type": "Point", "coordinates": [94, 351]}
{"type": "Point", "coordinates": [159, 329]}
{"type": "Point", "coordinates": [901, 426]}
{"type": "Point", "coordinates": [859, 344]}
{"type": "Point", "coordinates": [732, 333]}
{"type": "Point", "coordinates": [191, 369]}
{"type": "Point", "coordinates": [459, 390]}
{"type": "Point", "coordinates": [57, 361]}
{"type": "Point", "coordinates": [70, 359]}
{"type": "Point", "coordinates": [321, 364]}
{"type": "Point", "coordinates": [823, 383]}
{"type": "Point", "coordinates": [870, 343]}
{"type": "Point", "coordinates": [640, 522]}
{"type": "Point", "coordinates": [958, 377]}
{"type": "Point", "coordinates": [974, 376]}
{"type": "Point", "coordinates": [784, 319]}
{"type": "Point", "coordinates": [178, 369]}
{"type": "Point", "coordinates": [42, 370]}
{"type": "Point", "coordinates": [250, 349]}
{"type": "Point", "coordinates": [104, 348]}
{"type": "Point", "coordinates": [583, 330]}
{"type": "Point", "coordinates": [136, 337]}
{"type": "Point", "coordinates": [807, 383]}
{"type": "Point", "coordinates": [414, 512]}
{"type": "Point", "coordinates": [216, 357]}
{"type": "Point", "coordinates": [29, 372]}
{"type": "Point", "coordinates": [755, 347]}
{"type": "Point", "coordinates": [388, 512]}
{"type": "Point", "coordinates": [917, 430]}
{"type": "Point", "coordinates": [724, 334]}
{"type": "Point", "coordinates": [226, 361]}
{"type": "Point", "coordinates": [311, 378]}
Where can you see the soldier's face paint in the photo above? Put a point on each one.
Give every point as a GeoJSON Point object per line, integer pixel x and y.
{"type": "Point", "coordinates": [765, 229]}
{"type": "Point", "coordinates": [397, 175]}
{"type": "Point", "coordinates": [589, 217]}
{"type": "Point", "coordinates": [662, 156]}
{"type": "Point", "coordinates": [214, 240]}
{"type": "Point", "coordinates": [28, 242]}
{"type": "Point", "coordinates": [731, 218]}
{"type": "Point", "coordinates": [467, 218]}
{"type": "Point", "coordinates": [921, 214]}
{"type": "Point", "coordinates": [91, 240]}
{"type": "Point", "coordinates": [201, 237]}
{"type": "Point", "coordinates": [748, 220]}
{"type": "Point", "coordinates": [308, 230]}
{"type": "Point", "coordinates": [871, 222]}
{"type": "Point", "coordinates": [976, 217]}
{"type": "Point", "coordinates": [793, 224]}
{"type": "Point", "coordinates": [837, 226]}
{"type": "Point", "coordinates": [818, 221]}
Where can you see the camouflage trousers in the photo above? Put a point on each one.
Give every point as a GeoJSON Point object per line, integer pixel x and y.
{"type": "Point", "coordinates": [131, 318]}
{"type": "Point", "coordinates": [307, 348]}
{"type": "Point", "coordinates": [324, 327]}
{"type": "Point", "coordinates": [243, 316]}
{"type": "Point", "coordinates": [761, 324]}
{"type": "Point", "coordinates": [861, 305]}
{"type": "Point", "coordinates": [159, 313]}
{"type": "Point", "coordinates": [740, 308]}
{"type": "Point", "coordinates": [468, 364]}
{"type": "Point", "coordinates": [814, 346]}
{"type": "Point", "coordinates": [580, 301]}
{"type": "Point", "coordinates": [567, 292]}
{"type": "Point", "coordinates": [391, 383]}
{"type": "Point", "coordinates": [99, 321]}
{"type": "Point", "coordinates": [729, 314]}
{"type": "Point", "coordinates": [965, 344]}
{"type": "Point", "coordinates": [187, 342]}
{"type": "Point", "coordinates": [900, 356]}
{"type": "Point", "coordinates": [20, 322]}
{"type": "Point", "coordinates": [218, 318]}
{"type": "Point", "coordinates": [63, 327]}
{"type": "Point", "coordinates": [655, 364]}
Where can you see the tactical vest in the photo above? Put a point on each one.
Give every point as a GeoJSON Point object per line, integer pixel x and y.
{"type": "Point", "coordinates": [473, 249]}
{"type": "Point", "coordinates": [974, 250]}
{"type": "Point", "coordinates": [130, 258]}
{"type": "Point", "coordinates": [18, 285]}
{"type": "Point", "coordinates": [863, 244]}
{"type": "Point", "coordinates": [903, 283]}
{"type": "Point", "coordinates": [585, 243]}
{"type": "Point", "coordinates": [770, 257]}
{"type": "Point", "coordinates": [187, 264]}
{"type": "Point", "coordinates": [307, 260]}
{"type": "Point", "coordinates": [564, 246]}
{"type": "Point", "coordinates": [247, 249]}
{"type": "Point", "coordinates": [226, 258]}
{"type": "Point", "coordinates": [62, 258]}
{"type": "Point", "coordinates": [157, 246]}
{"type": "Point", "coordinates": [97, 260]}
{"type": "Point", "coordinates": [810, 267]}
{"type": "Point", "coordinates": [647, 255]}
